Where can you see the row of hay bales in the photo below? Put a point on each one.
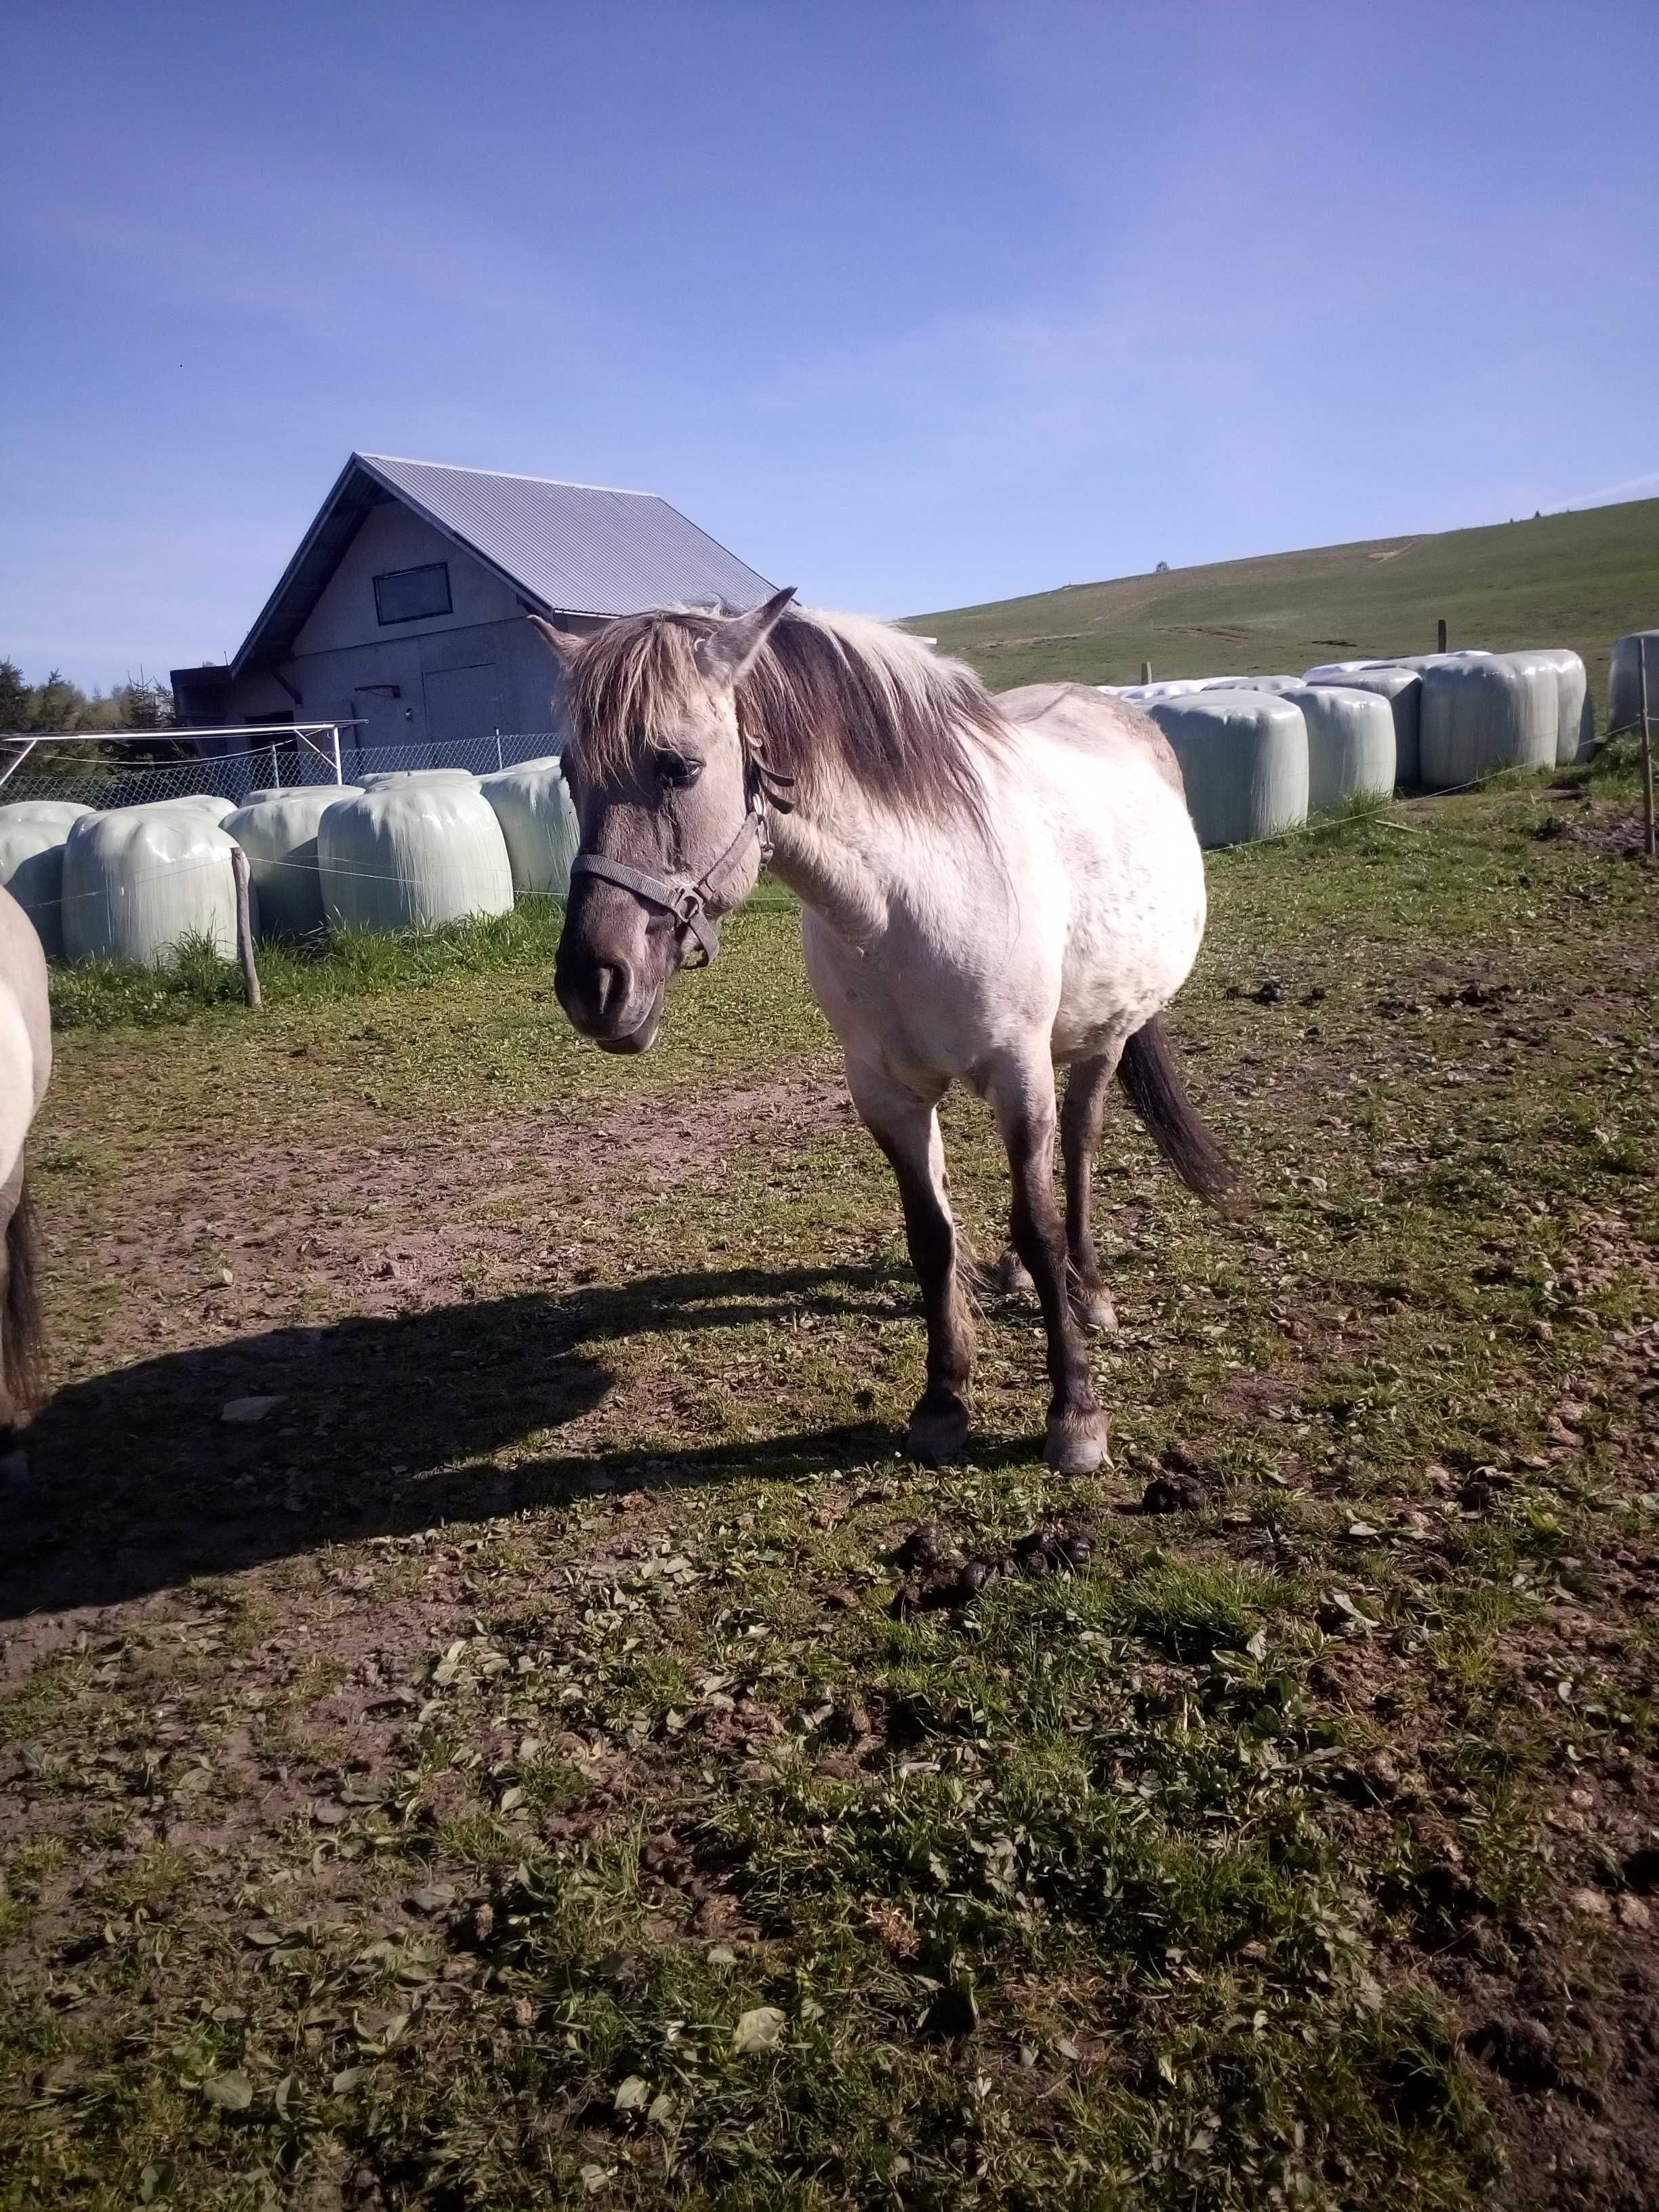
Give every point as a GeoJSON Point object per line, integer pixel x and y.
{"type": "Point", "coordinates": [413, 848]}
{"type": "Point", "coordinates": [1260, 753]}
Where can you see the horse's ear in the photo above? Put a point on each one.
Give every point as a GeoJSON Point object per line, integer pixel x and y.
{"type": "Point", "coordinates": [563, 644]}
{"type": "Point", "coordinates": [727, 651]}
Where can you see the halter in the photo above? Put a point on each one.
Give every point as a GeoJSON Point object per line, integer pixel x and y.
{"type": "Point", "coordinates": [690, 905]}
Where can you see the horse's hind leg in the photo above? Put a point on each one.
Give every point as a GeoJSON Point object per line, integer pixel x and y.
{"type": "Point", "coordinates": [1079, 1133]}
{"type": "Point", "coordinates": [1086, 1088]}
{"type": "Point", "coordinates": [1022, 1096]}
{"type": "Point", "coordinates": [907, 1130]}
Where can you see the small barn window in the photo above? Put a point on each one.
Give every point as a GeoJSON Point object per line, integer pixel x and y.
{"type": "Point", "coordinates": [406, 594]}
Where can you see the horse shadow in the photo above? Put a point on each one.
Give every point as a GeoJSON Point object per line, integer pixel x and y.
{"type": "Point", "coordinates": [381, 1425]}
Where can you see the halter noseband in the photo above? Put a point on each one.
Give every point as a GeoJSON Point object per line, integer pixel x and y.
{"type": "Point", "coordinates": [690, 903]}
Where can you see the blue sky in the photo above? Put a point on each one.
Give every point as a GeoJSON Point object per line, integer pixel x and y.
{"type": "Point", "coordinates": [912, 304]}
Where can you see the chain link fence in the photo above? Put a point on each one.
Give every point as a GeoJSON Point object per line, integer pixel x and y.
{"type": "Point", "coordinates": [263, 767]}
{"type": "Point", "coordinates": [282, 764]}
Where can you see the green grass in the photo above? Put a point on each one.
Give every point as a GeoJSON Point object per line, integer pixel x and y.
{"type": "Point", "coordinates": [340, 965]}
{"type": "Point", "coordinates": [501, 1777]}
{"type": "Point", "coordinates": [1578, 579]}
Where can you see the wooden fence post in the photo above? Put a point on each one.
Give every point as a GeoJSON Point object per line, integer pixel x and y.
{"type": "Point", "coordinates": [1146, 672]}
{"type": "Point", "coordinates": [238, 869]}
{"type": "Point", "coordinates": [1441, 647]}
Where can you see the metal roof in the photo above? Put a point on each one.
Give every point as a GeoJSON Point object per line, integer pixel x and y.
{"type": "Point", "coordinates": [565, 548]}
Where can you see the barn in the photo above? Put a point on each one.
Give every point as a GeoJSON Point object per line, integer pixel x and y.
{"type": "Point", "coordinates": [401, 616]}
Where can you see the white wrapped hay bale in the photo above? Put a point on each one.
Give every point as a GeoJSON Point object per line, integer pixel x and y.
{"type": "Point", "coordinates": [1625, 680]}
{"type": "Point", "coordinates": [1575, 726]}
{"type": "Point", "coordinates": [1351, 744]}
{"type": "Point", "coordinates": [539, 823]}
{"type": "Point", "coordinates": [1333, 671]}
{"type": "Point", "coordinates": [53, 813]}
{"type": "Point", "coordinates": [1274, 684]}
{"type": "Point", "coordinates": [277, 831]}
{"type": "Point", "coordinates": [1421, 661]}
{"type": "Point", "coordinates": [413, 854]}
{"type": "Point", "coordinates": [139, 879]}
{"type": "Point", "coordinates": [33, 833]}
{"type": "Point", "coordinates": [204, 802]}
{"type": "Point", "coordinates": [1403, 689]}
{"type": "Point", "coordinates": [1243, 758]}
{"type": "Point", "coordinates": [1538, 672]}
{"type": "Point", "coordinates": [1479, 713]}
{"type": "Point", "coordinates": [391, 779]}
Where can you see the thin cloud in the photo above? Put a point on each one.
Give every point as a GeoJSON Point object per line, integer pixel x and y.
{"type": "Point", "coordinates": [1627, 487]}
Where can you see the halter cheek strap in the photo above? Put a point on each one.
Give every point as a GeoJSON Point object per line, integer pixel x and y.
{"type": "Point", "coordinates": [690, 903]}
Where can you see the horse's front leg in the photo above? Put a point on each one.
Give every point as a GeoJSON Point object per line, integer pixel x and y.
{"type": "Point", "coordinates": [906, 1127]}
{"type": "Point", "coordinates": [1022, 1096]}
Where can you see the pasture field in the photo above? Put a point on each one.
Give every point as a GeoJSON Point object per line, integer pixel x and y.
{"type": "Point", "coordinates": [1578, 579]}
{"type": "Point", "coordinates": [503, 1765]}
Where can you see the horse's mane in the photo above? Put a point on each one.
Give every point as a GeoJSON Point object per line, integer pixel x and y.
{"type": "Point", "coordinates": [827, 694]}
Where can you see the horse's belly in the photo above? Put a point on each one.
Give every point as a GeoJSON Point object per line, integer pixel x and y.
{"type": "Point", "coordinates": [17, 1088]}
{"type": "Point", "coordinates": [1135, 934]}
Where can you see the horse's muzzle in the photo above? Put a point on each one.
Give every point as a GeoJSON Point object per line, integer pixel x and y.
{"type": "Point", "coordinates": [614, 960]}
{"type": "Point", "coordinates": [637, 1040]}
{"type": "Point", "coordinates": [606, 1002]}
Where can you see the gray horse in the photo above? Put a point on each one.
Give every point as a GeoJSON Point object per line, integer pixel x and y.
{"type": "Point", "coordinates": [25, 1069]}
{"type": "Point", "coordinates": [992, 887]}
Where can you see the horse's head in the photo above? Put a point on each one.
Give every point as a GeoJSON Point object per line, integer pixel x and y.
{"type": "Point", "coordinates": [669, 801]}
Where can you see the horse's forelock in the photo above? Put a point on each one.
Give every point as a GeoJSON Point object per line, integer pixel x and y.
{"type": "Point", "coordinates": [826, 694]}
{"type": "Point", "coordinates": [627, 688]}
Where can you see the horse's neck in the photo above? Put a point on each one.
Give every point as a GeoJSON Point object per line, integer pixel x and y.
{"type": "Point", "coordinates": [839, 854]}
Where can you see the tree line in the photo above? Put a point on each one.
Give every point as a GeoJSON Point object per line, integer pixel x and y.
{"type": "Point", "coordinates": [59, 709]}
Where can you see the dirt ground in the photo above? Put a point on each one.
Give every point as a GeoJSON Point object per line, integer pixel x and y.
{"type": "Point", "coordinates": [474, 1735]}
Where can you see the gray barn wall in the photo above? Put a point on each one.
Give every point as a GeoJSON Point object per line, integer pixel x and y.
{"type": "Point", "coordinates": [459, 676]}
{"type": "Point", "coordinates": [392, 538]}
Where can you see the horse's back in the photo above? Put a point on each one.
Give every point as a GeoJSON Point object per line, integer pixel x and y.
{"type": "Point", "coordinates": [1062, 915]}
{"type": "Point", "coordinates": [1077, 715]}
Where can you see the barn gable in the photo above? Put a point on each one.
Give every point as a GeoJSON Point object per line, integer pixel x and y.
{"type": "Point", "coordinates": [559, 548]}
{"type": "Point", "coordinates": [401, 616]}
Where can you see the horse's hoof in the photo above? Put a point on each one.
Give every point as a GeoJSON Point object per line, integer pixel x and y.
{"type": "Point", "coordinates": [1077, 1442]}
{"type": "Point", "coordinates": [1011, 1277]}
{"type": "Point", "coordinates": [937, 1438]}
{"type": "Point", "coordinates": [1095, 1312]}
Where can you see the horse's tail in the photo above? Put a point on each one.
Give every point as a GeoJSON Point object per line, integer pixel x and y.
{"type": "Point", "coordinates": [1150, 1075]}
{"type": "Point", "coordinates": [21, 1359]}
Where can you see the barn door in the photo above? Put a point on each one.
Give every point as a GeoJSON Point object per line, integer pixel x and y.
{"type": "Point", "coordinates": [463, 714]}
{"type": "Point", "coordinates": [383, 732]}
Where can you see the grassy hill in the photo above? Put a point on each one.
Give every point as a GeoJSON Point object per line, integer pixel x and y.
{"type": "Point", "coordinates": [1578, 579]}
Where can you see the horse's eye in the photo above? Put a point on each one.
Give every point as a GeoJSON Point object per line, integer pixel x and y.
{"type": "Point", "coordinates": [676, 770]}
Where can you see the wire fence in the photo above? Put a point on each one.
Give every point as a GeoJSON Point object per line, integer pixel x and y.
{"type": "Point", "coordinates": [64, 916]}
{"type": "Point", "coordinates": [280, 765]}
